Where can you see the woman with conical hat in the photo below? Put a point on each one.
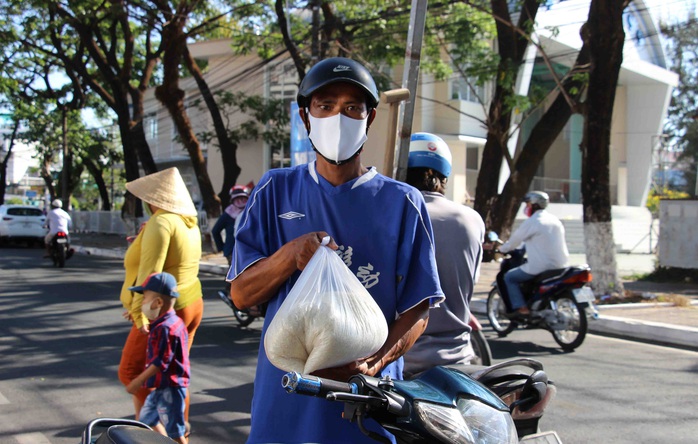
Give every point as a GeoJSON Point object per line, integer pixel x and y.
{"type": "Point", "coordinates": [170, 241]}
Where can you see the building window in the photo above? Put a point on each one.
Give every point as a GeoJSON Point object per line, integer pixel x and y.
{"type": "Point", "coordinates": [280, 156]}
{"type": "Point", "coordinates": [467, 89]}
{"type": "Point", "coordinates": [150, 125]}
{"type": "Point", "coordinates": [471, 158]}
{"type": "Point", "coordinates": [283, 85]}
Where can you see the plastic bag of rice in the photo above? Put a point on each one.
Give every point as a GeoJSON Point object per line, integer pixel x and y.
{"type": "Point", "coordinates": [327, 320]}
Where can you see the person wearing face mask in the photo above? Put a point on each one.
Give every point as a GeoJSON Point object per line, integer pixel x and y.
{"type": "Point", "coordinates": [226, 223]}
{"type": "Point", "coordinates": [544, 237]}
{"type": "Point", "coordinates": [166, 369]}
{"type": "Point", "coordinates": [170, 241]}
{"type": "Point", "coordinates": [378, 226]}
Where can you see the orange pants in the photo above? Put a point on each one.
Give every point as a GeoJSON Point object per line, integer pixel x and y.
{"type": "Point", "coordinates": [133, 355]}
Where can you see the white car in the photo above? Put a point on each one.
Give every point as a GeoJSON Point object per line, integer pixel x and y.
{"type": "Point", "coordinates": [22, 222]}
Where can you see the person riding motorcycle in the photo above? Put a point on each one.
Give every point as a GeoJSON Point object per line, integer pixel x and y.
{"type": "Point", "coordinates": [458, 236]}
{"type": "Point", "coordinates": [56, 220]}
{"type": "Point", "coordinates": [544, 236]}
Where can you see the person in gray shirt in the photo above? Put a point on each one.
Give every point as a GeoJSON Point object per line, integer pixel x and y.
{"type": "Point", "coordinates": [459, 233]}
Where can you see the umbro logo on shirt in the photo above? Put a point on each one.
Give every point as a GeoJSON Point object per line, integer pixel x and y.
{"type": "Point", "coordinates": [291, 215]}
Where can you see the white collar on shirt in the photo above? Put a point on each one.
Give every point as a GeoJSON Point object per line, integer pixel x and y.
{"type": "Point", "coordinates": [370, 174]}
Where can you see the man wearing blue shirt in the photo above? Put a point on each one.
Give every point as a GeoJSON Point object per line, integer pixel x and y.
{"type": "Point", "coordinates": [379, 227]}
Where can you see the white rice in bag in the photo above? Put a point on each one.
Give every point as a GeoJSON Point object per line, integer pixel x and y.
{"type": "Point", "coordinates": [327, 320]}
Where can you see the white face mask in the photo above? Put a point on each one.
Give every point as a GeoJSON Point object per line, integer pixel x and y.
{"type": "Point", "coordinates": [338, 137]}
{"type": "Point", "coordinates": [149, 312]}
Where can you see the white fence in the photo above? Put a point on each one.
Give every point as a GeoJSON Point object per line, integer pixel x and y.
{"type": "Point", "coordinates": [111, 222]}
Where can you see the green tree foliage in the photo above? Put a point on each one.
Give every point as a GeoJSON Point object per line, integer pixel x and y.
{"type": "Point", "coordinates": [372, 31]}
{"type": "Point", "coordinates": [682, 124]}
{"type": "Point", "coordinates": [481, 42]}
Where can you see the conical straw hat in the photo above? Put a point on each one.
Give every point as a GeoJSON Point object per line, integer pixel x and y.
{"type": "Point", "coordinates": [164, 189]}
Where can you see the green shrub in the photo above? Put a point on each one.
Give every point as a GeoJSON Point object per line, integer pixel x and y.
{"type": "Point", "coordinates": [656, 195]}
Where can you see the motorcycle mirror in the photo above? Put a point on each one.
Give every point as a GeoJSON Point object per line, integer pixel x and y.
{"type": "Point", "coordinates": [534, 389]}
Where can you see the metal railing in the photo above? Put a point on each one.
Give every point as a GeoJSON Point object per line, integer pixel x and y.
{"type": "Point", "coordinates": [111, 222]}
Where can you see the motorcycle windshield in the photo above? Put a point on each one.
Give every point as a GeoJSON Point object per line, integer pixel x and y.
{"type": "Point", "coordinates": [442, 385]}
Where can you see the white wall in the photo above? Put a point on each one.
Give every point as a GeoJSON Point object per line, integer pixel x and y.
{"type": "Point", "coordinates": [645, 110]}
{"type": "Point", "coordinates": [678, 233]}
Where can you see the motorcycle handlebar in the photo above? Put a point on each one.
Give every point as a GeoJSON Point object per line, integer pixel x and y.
{"type": "Point", "coordinates": [294, 382]}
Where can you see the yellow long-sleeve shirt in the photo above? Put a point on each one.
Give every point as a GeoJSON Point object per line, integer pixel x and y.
{"type": "Point", "coordinates": [169, 242]}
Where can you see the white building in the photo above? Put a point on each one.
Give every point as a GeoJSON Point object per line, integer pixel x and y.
{"type": "Point", "coordinates": [19, 182]}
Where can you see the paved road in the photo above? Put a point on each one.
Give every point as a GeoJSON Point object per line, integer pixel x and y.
{"type": "Point", "coordinates": [61, 334]}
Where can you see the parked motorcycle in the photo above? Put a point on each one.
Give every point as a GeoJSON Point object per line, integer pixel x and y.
{"type": "Point", "coordinates": [244, 317]}
{"type": "Point", "coordinates": [60, 250]}
{"type": "Point", "coordinates": [121, 431]}
{"type": "Point", "coordinates": [444, 404]}
{"type": "Point", "coordinates": [560, 301]}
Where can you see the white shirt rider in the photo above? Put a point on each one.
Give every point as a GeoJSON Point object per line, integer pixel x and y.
{"type": "Point", "coordinates": [57, 220]}
{"type": "Point", "coordinates": [544, 236]}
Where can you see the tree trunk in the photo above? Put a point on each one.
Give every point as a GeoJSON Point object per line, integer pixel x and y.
{"type": "Point", "coordinates": [228, 149]}
{"type": "Point", "coordinates": [605, 37]}
{"type": "Point", "coordinates": [130, 211]}
{"type": "Point", "coordinates": [288, 41]}
{"type": "Point", "coordinates": [3, 175]}
{"type": "Point", "coordinates": [48, 180]}
{"type": "Point", "coordinates": [512, 48]}
{"type": "Point", "coordinates": [67, 161]}
{"type": "Point", "coordinates": [170, 95]}
{"type": "Point", "coordinates": [96, 174]}
{"type": "Point", "coordinates": [6, 162]}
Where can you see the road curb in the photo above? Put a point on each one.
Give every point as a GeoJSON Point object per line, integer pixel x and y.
{"type": "Point", "coordinates": [213, 268]}
{"type": "Point", "coordinates": [645, 331]}
{"type": "Point", "coordinates": [103, 252]}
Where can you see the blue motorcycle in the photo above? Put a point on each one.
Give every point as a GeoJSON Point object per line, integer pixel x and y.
{"type": "Point", "coordinates": [466, 405]}
{"type": "Point", "coordinates": [500, 404]}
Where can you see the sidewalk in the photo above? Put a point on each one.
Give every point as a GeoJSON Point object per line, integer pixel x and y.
{"type": "Point", "coordinates": [655, 322]}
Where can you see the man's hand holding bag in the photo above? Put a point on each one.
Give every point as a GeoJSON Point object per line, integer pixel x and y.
{"type": "Point", "coordinates": [327, 320]}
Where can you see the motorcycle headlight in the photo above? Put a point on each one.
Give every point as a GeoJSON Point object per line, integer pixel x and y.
{"type": "Point", "coordinates": [472, 422]}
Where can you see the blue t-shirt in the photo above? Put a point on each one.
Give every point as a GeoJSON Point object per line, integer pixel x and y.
{"type": "Point", "coordinates": [384, 236]}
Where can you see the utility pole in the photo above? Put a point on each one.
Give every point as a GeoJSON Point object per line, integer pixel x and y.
{"type": "Point", "coordinates": [413, 54]}
{"type": "Point", "coordinates": [393, 98]}
{"type": "Point", "coordinates": [315, 44]}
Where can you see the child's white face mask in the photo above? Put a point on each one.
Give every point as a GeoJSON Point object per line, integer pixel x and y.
{"type": "Point", "coordinates": [338, 137]}
{"type": "Point", "coordinates": [150, 312]}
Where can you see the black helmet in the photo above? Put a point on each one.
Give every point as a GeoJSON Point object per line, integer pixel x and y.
{"type": "Point", "coordinates": [337, 69]}
{"type": "Point", "coordinates": [539, 198]}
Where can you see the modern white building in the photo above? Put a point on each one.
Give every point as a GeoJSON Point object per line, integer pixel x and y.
{"type": "Point", "coordinates": [448, 109]}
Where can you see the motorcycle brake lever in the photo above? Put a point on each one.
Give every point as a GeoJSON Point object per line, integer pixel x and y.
{"type": "Point", "coordinates": [350, 397]}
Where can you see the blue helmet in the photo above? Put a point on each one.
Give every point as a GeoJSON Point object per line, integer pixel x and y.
{"type": "Point", "coordinates": [429, 151]}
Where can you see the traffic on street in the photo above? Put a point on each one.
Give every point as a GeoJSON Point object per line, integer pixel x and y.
{"type": "Point", "coordinates": [61, 334]}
